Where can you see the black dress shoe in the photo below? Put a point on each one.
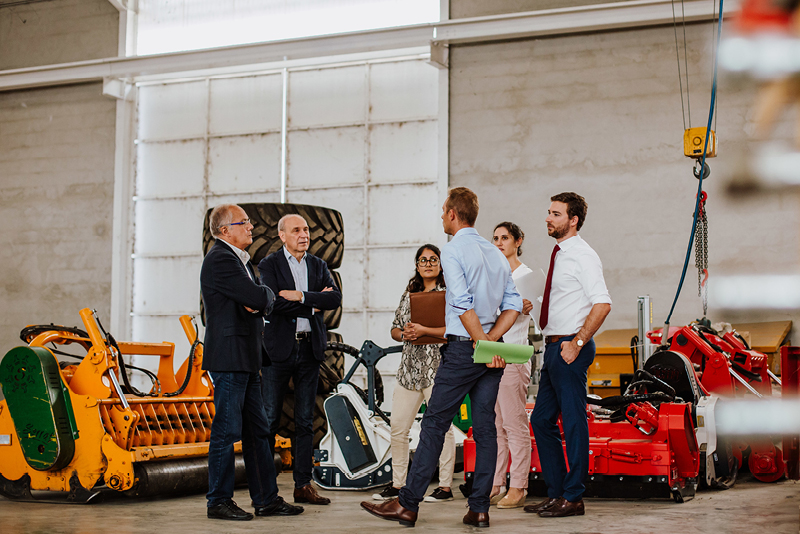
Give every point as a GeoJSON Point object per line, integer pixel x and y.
{"type": "Point", "coordinates": [228, 510]}
{"type": "Point", "coordinates": [391, 510]}
{"type": "Point", "coordinates": [544, 505]}
{"type": "Point", "coordinates": [476, 519]}
{"type": "Point", "coordinates": [564, 508]}
{"type": "Point", "coordinates": [279, 507]}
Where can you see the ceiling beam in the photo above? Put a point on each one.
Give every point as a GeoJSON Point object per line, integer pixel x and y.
{"type": "Point", "coordinates": [602, 17]}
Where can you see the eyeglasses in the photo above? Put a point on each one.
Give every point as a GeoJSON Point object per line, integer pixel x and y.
{"type": "Point", "coordinates": [246, 221]}
{"type": "Point", "coordinates": [433, 262]}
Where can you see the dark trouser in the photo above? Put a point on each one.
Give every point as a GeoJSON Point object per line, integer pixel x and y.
{"type": "Point", "coordinates": [303, 368]}
{"type": "Point", "coordinates": [239, 415]}
{"type": "Point", "coordinates": [562, 390]}
{"type": "Point", "coordinates": [457, 376]}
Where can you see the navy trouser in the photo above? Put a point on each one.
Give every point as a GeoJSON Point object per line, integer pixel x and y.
{"type": "Point", "coordinates": [303, 369]}
{"type": "Point", "coordinates": [562, 390]}
{"type": "Point", "coordinates": [239, 414]}
{"type": "Point", "coordinates": [457, 376]}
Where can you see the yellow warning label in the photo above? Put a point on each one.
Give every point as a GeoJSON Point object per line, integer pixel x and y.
{"type": "Point", "coordinates": [464, 412]}
{"type": "Point", "coordinates": [360, 431]}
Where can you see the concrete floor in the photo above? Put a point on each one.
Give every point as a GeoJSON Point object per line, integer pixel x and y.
{"type": "Point", "coordinates": [750, 507]}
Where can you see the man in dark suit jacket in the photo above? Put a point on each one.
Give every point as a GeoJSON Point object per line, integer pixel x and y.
{"type": "Point", "coordinates": [295, 338]}
{"type": "Point", "coordinates": [236, 303]}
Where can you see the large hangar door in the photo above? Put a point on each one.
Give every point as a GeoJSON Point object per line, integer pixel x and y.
{"type": "Point", "coordinates": [361, 138]}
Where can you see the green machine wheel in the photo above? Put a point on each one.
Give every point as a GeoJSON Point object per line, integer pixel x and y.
{"type": "Point", "coordinates": [39, 404]}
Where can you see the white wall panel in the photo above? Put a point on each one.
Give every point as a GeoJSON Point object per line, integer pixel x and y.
{"type": "Point", "coordinates": [403, 152]}
{"type": "Point", "coordinates": [170, 169]}
{"type": "Point", "coordinates": [244, 163]}
{"type": "Point", "coordinates": [403, 90]}
{"type": "Point", "coordinates": [251, 104]}
{"type": "Point", "coordinates": [327, 96]}
{"type": "Point", "coordinates": [352, 272]}
{"type": "Point", "coordinates": [379, 330]}
{"type": "Point", "coordinates": [170, 111]}
{"type": "Point", "coordinates": [390, 270]}
{"type": "Point", "coordinates": [404, 214]}
{"type": "Point", "coordinates": [353, 331]}
{"type": "Point", "coordinates": [326, 157]}
{"type": "Point", "coordinates": [349, 201]}
{"type": "Point", "coordinates": [169, 227]}
{"type": "Point", "coordinates": [241, 198]}
{"type": "Point", "coordinates": [166, 285]}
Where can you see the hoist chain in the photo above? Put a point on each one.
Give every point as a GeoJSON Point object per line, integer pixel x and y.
{"type": "Point", "coordinates": [701, 255]}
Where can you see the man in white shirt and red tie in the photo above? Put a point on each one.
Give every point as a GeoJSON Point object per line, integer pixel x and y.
{"type": "Point", "coordinates": [574, 305]}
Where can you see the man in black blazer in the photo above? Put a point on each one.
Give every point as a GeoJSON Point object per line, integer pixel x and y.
{"type": "Point", "coordinates": [236, 303]}
{"type": "Point", "coordinates": [295, 338]}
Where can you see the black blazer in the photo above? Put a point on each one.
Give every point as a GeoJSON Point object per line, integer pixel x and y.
{"type": "Point", "coordinates": [279, 335]}
{"type": "Point", "coordinates": [233, 334]}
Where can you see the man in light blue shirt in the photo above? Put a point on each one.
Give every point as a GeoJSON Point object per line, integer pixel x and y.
{"type": "Point", "coordinates": [479, 284]}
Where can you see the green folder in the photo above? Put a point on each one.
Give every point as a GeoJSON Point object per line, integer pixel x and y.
{"type": "Point", "coordinates": [485, 351]}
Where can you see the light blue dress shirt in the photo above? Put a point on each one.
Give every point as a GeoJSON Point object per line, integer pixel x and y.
{"type": "Point", "coordinates": [300, 274]}
{"type": "Point", "coordinates": [478, 277]}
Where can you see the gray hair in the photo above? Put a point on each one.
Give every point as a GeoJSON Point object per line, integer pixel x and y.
{"type": "Point", "coordinates": [218, 215]}
{"type": "Point", "coordinates": [282, 221]}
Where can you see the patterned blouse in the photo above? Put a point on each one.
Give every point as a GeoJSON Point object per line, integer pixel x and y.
{"type": "Point", "coordinates": [418, 363]}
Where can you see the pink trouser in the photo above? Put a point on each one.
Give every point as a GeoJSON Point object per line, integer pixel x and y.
{"type": "Point", "coordinates": [511, 420]}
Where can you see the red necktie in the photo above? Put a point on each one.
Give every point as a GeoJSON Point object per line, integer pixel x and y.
{"type": "Point", "coordinates": [543, 316]}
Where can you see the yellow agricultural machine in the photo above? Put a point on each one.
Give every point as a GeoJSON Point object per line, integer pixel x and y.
{"type": "Point", "coordinates": [77, 429]}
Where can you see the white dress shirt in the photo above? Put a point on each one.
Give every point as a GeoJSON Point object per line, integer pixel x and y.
{"type": "Point", "coordinates": [577, 285]}
{"type": "Point", "coordinates": [518, 333]}
{"type": "Point", "coordinates": [242, 254]}
{"type": "Point", "coordinates": [300, 274]}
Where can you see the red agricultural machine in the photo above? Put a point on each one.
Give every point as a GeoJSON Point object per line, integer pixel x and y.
{"type": "Point", "coordinates": [659, 438]}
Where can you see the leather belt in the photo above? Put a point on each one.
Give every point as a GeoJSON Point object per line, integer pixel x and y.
{"type": "Point", "coordinates": [302, 335]}
{"type": "Point", "coordinates": [553, 339]}
{"type": "Point", "coordinates": [451, 338]}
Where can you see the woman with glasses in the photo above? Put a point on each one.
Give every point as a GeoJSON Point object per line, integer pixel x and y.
{"type": "Point", "coordinates": [511, 419]}
{"type": "Point", "coordinates": [418, 367]}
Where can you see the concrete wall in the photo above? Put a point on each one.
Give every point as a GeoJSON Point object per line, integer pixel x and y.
{"type": "Point", "coordinates": [56, 169]}
{"type": "Point", "coordinates": [601, 115]}
{"type": "Point", "coordinates": [57, 31]}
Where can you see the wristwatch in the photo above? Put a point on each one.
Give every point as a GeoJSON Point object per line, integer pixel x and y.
{"type": "Point", "coordinates": [579, 342]}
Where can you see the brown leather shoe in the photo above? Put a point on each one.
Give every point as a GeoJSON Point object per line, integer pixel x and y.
{"type": "Point", "coordinates": [544, 505]}
{"type": "Point", "coordinates": [477, 519]}
{"type": "Point", "coordinates": [564, 508]}
{"type": "Point", "coordinates": [308, 494]}
{"type": "Point", "coordinates": [392, 510]}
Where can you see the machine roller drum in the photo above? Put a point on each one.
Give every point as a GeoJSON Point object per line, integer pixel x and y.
{"type": "Point", "coordinates": [174, 477]}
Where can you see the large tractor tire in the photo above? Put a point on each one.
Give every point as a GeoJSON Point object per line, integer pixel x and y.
{"type": "Point", "coordinates": [286, 427]}
{"type": "Point", "coordinates": [326, 228]}
{"type": "Point", "coordinates": [333, 318]}
{"type": "Point", "coordinates": [325, 225]}
{"type": "Point", "coordinates": [331, 371]}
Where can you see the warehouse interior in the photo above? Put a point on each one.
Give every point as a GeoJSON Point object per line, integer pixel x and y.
{"type": "Point", "coordinates": [123, 122]}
